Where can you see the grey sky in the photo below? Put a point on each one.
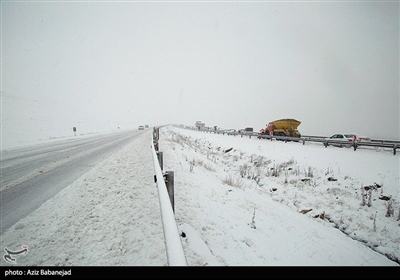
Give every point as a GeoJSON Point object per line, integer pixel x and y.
{"type": "Point", "coordinates": [99, 65]}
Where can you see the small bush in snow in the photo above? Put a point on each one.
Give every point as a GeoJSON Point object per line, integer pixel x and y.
{"type": "Point", "coordinates": [328, 171]}
{"type": "Point", "coordinates": [398, 216]}
{"type": "Point", "coordinates": [363, 196]}
{"type": "Point", "coordinates": [232, 181]}
{"type": "Point", "coordinates": [389, 208]}
{"type": "Point", "coordinates": [309, 172]}
{"type": "Point", "coordinates": [207, 166]}
{"type": "Point", "coordinates": [276, 170]}
{"type": "Point", "coordinates": [369, 195]}
{"type": "Point", "coordinates": [243, 170]}
{"type": "Point", "coordinates": [374, 224]}
{"type": "Point", "coordinates": [253, 220]}
{"type": "Point", "coordinates": [191, 165]}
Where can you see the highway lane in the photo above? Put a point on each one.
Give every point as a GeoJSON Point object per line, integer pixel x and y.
{"type": "Point", "coordinates": [32, 175]}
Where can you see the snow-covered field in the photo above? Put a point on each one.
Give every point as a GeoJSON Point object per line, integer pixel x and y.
{"type": "Point", "coordinates": [274, 203]}
{"type": "Point", "coordinates": [263, 203]}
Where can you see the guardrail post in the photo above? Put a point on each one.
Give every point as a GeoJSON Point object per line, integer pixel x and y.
{"type": "Point", "coordinates": [169, 182]}
{"type": "Point", "coordinates": [326, 143]}
{"type": "Point", "coordinates": [160, 159]}
{"type": "Point", "coordinates": [156, 136]}
{"type": "Point", "coordinates": [394, 149]}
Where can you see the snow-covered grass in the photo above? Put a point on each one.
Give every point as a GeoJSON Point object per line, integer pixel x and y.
{"type": "Point", "coordinates": [234, 187]}
{"type": "Point", "coordinates": [238, 201]}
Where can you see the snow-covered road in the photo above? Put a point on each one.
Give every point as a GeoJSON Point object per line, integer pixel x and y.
{"type": "Point", "coordinates": [108, 216]}
{"type": "Point", "coordinates": [31, 175]}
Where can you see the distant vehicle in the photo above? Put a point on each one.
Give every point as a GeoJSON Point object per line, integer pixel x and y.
{"type": "Point", "coordinates": [141, 127]}
{"type": "Point", "coordinates": [200, 125]}
{"type": "Point", "coordinates": [342, 137]}
{"type": "Point", "coordinates": [246, 131]}
{"type": "Point", "coordinates": [362, 138]}
{"type": "Point", "coordinates": [230, 131]}
{"type": "Point", "coordinates": [341, 140]}
{"type": "Point", "coordinates": [146, 126]}
{"type": "Point", "coordinates": [282, 127]}
{"type": "Point", "coordinates": [351, 137]}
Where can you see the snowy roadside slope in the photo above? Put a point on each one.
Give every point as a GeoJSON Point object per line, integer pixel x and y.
{"type": "Point", "coordinates": [108, 217]}
{"type": "Point", "coordinates": [246, 223]}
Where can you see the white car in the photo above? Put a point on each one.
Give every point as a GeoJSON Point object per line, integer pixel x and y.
{"type": "Point", "coordinates": [342, 137]}
{"type": "Point", "coordinates": [141, 127]}
{"type": "Point", "coordinates": [231, 131]}
{"type": "Point", "coordinates": [341, 140]}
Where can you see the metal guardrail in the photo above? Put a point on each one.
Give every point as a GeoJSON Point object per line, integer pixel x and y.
{"type": "Point", "coordinates": [175, 253]}
{"type": "Point", "coordinates": [394, 145]}
{"type": "Point", "coordinates": [391, 144]}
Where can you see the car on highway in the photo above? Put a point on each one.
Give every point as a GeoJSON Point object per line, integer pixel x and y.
{"type": "Point", "coordinates": [141, 127]}
{"type": "Point", "coordinates": [230, 131]}
{"type": "Point", "coordinates": [246, 131]}
{"type": "Point", "coordinates": [362, 138]}
{"type": "Point", "coordinates": [341, 139]}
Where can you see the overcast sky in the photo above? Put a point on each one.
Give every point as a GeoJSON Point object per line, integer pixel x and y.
{"type": "Point", "coordinates": [101, 65]}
